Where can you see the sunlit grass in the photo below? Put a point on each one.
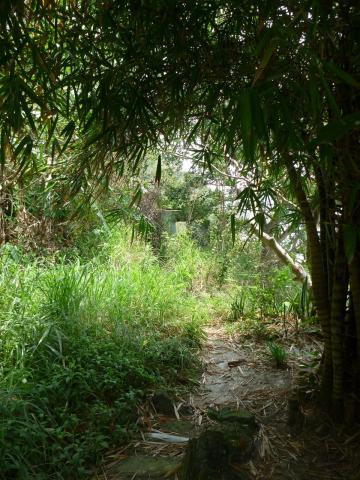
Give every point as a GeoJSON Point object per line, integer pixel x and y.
{"type": "Point", "coordinates": [82, 343]}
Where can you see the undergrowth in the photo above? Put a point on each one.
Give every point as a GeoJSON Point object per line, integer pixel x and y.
{"type": "Point", "coordinates": [83, 342]}
{"type": "Point", "coordinates": [278, 354]}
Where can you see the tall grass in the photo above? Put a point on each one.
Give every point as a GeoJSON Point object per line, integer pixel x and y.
{"type": "Point", "coordinates": [82, 343]}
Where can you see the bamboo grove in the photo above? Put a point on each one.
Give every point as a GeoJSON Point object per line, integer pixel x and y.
{"type": "Point", "coordinates": [274, 84]}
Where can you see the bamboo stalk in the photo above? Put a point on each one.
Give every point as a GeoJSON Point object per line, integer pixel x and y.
{"type": "Point", "coordinates": [338, 310]}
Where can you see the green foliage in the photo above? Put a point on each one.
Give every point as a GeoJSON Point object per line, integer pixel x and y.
{"type": "Point", "coordinates": [222, 74]}
{"type": "Point", "coordinates": [252, 327]}
{"type": "Point", "coordinates": [193, 267]}
{"type": "Point", "coordinates": [301, 304]}
{"type": "Point", "coordinates": [259, 286]}
{"type": "Point", "coordinates": [82, 343]}
{"type": "Point", "coordinates": [259, 292]}
{"type": "Point", "coordinates": [238, 306]}
{"type": "Point", "coordinates": [278, 354]}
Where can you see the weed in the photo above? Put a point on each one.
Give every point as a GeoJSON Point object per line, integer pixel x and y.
{"type": "Point", "coordinates": [301, 304]}
{"type": "Point", "coordinates": [238, 307]}
{"type": "Point", "coordinates": [278, 354]}
{"type": "Point", "coordinates": [82, 344]}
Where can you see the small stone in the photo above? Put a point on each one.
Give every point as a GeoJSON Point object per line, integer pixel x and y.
{"type": "Point", "coordinates": [186, 410]}
{"type": "Point", "coordinates": [163, 403]}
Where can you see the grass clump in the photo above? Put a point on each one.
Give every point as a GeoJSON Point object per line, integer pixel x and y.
{"type": "Point", "coordinates": [278, 354]}
{"type": "Point", "coordinates": [81, 345]}
{"type": "Point", "coordinates": [237, 307]}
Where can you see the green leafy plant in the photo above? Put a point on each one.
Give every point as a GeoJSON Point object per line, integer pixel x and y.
{"type": "Point", "coordinates": [278, 354]}
{"type": "Point", "coordinates": [82, 343]}
{"type": "Point", "coordinates": [301, 304]}
{"type": "Point", "coordinates": [238, 307]}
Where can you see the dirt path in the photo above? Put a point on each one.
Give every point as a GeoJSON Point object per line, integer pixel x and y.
{"type": "Point", "coordinates": [239, 373]}
{"type": "Point", "coordinates": [235, 374]}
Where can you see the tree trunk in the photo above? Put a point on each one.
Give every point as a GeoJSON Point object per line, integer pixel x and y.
{"type": "Point", "coordinates": [338, 311]}
{"type": "Point", "coordinates": [327, 222]}
{"type": "Point", "coordinates": [297, 269]}
{"type": "Point", "coordinates": [319, 278]}
{"type": "Point", "coordinates": [354, 269]}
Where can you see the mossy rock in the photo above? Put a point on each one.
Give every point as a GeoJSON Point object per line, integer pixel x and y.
{"type": "Point", "coordinates": [230, 441]}
{"type": "Point", "coordinates": [144, 467]}
{"type": "Point", "coordinates": [227, 414]}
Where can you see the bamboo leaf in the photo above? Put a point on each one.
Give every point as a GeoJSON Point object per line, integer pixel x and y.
{"type": "Point", "coordinates": [22, 145]}
{"type": "Point", "coordinates": [245, 113]}
{"type": "Point", "coordinates": [193, 132]}
{"type": "Point", "coordinates": [342, 75]}
{"type": "Point", "coordinates": [350, 241]}
{"type": "Point", "coordinates": [53, 123]}
{"type": "Point", "coordinates": [337, 129]}
{"type": "Point", "coordinates": [258, 116]}
{"type": "Point", "coordinates": [208, 160]}
{"type": "Point", "coordinates": [354, 195]}
{"type": "Point", "coordinates": [265, 60]}
{"type": "Point", "coordinates": [315, 103]}
{"type": "Point", "coordinates": [55, 146]}
{"type": "Point", "coordinates": [158, 171]}
{"type": "Point", "coordinates": [260, 221]}
{"type": "Point", "coordinates": [330, 97]}
{"type": "Point", "coordinates": [136, 198]}
{"type": "Point", "coordinates": [30, 93]}
{"type": "Point", "coordinates": [26, 149]}
{"type": "Point", "coordinates": [3, 147]}
{"type": "Point", "coordinates": [68, 131]}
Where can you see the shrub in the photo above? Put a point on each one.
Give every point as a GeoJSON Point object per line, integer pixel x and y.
{"type": "Point", "coordinates": [81, 345]}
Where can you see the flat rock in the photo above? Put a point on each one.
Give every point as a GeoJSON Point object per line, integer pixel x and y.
{"type": "Point", "coordinates": [143, 467]}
